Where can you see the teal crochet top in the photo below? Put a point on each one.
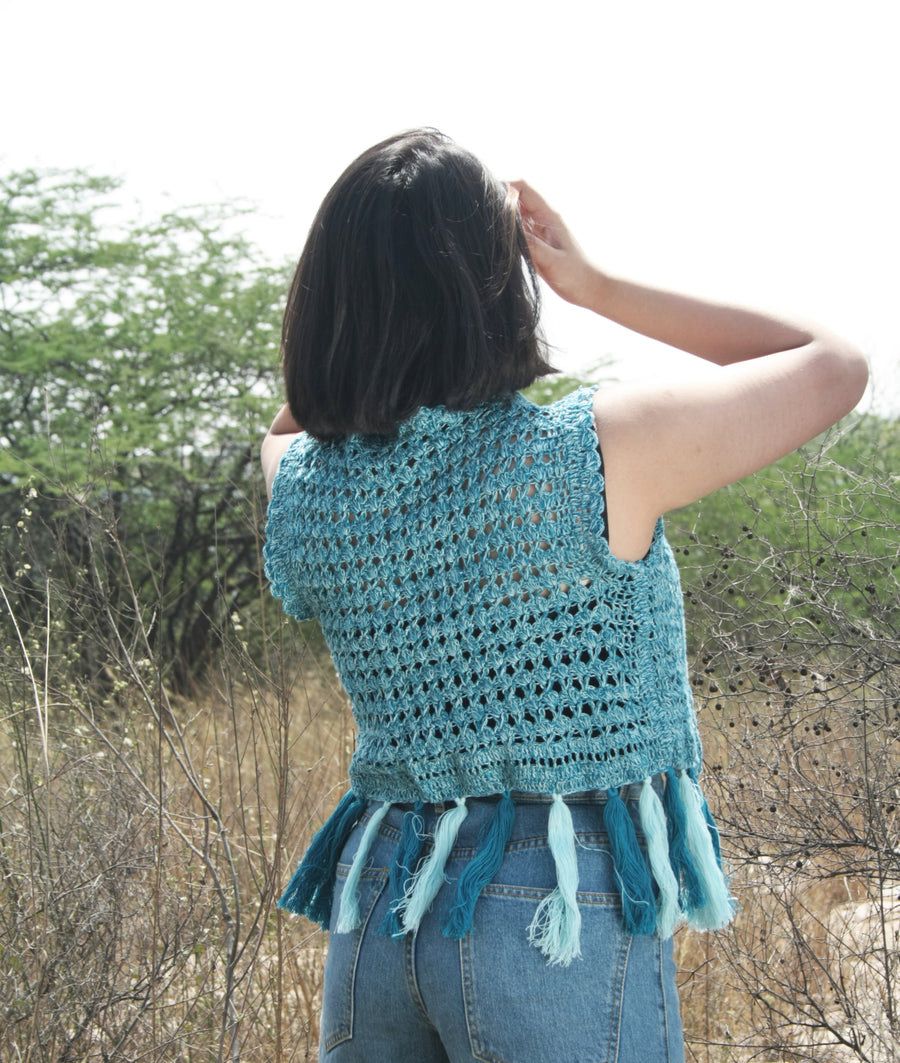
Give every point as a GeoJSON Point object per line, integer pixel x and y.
{"type": "Point", "coordinates": [486, 636]}
{"type": "Point", "coordinates": [491, 643]}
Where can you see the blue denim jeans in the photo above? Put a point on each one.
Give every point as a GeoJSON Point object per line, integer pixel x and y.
{"type": "Point", "coordinates": [491, 996]}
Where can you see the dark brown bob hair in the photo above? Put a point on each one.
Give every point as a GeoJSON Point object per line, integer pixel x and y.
{"type": "Point", "coordinates": [415, 288]}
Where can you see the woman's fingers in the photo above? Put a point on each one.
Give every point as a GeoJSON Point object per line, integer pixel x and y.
{"type": "Point", "coordinates": [556, 255]}
{"type": "Point", "coordinates": [529, 198]}
{"type": "Point", "coordinates": [541, 222]}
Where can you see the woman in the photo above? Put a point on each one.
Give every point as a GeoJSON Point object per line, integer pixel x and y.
{"type": "Point", "coordinates": [525, 826]}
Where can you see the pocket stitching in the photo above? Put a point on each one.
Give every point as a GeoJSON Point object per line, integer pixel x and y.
{"type": "Point", "coordinates": [538, 893]}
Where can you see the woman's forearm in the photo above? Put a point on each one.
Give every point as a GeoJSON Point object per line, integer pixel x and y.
{"type": "Point", "coordinates": [719, 333]}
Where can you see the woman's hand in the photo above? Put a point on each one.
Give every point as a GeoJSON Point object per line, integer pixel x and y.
{"type": "Point", "coordinates": [555, 253]}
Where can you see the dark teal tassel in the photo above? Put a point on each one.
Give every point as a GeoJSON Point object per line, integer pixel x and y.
{"type": "Point", "coordinates": [311, 890]}
{"type": "Point", "coordinates": [692, 895]}
{"type": "Point", "coordinates": [403, 867]}
{"type": "Point", "coordinates": [482, 867]}
{"type": "Point", "coordinates": [635, 883]}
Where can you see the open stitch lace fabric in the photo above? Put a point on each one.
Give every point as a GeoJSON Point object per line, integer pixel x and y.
{"type": "Point", "coordinates": [488, 639]}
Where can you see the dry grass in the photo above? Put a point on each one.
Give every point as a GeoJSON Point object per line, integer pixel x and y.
{"type": "Point", "coordinates": [144, 840]}
{"type": "Point", "coordinates": [143, 843]}
{"type": "Point", "coordinates": [804, 777]}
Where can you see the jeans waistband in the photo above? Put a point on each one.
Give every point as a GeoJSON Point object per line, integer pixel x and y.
{"type": "Point", "coordinates": [522, 797]}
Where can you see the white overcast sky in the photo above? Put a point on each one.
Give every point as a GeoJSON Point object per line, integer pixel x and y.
{"type": "Point", "coordinates": [744, 150]}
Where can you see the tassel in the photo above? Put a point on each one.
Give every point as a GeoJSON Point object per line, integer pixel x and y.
{"type": "Point", "coordinates": [653, 822]}
{"type": "Point", "coordinates": [482, 867]}
{"type": "Point", "coordinates": [556, 927]}
{"type": "Point", "coordinates": [430, 876]}
{"type": "Point", "coordinates": [635, 884]}
{"type": "Point", "coordinates": [403, 867]}
{"type": "Point", "coordinates": [692, 895]}
{"type": "Point", "coordinates": [719, 907]}
{"type": "Point", "coordinates": [348, 913]}
{"type": "Point", "coordinates": [713, 831]}
{"type": "Point", "coordinates": [311, 888]}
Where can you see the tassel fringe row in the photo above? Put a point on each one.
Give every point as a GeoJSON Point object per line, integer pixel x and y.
{"type": "Point", "coordinates": [481, 868]}
{"type": "Point", "coordinates": [718, 910]}
{"type": "Point", "coordinates": [653, 820]}
{"type": "Point", "coordinates": [691, 892]}
{"type": "Point", "coordinates": [635, 884]}
{"type": "Point", "coordinates": [675, 875]}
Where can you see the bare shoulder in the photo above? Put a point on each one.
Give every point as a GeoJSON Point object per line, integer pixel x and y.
{"type": "Point", "coordinates": [271, 452]}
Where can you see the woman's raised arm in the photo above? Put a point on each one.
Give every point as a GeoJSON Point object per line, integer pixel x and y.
{"type": "Point", "coordinates": [667, 442]}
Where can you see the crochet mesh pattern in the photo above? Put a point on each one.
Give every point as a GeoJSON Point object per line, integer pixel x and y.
{"type": "Point", "coordinates": [486, 636]}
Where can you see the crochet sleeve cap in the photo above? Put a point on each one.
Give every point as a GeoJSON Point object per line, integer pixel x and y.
{"type": "Point", "coordinates": [283, 552]}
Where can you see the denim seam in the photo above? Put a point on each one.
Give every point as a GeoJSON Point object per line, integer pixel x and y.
{"type": "Point", "coordinates": [412, 981]}
{"type": "Point", "coordinates": [594, 841]}
{"type": "Point", "coordinates": [467, 966]}
{"type": "Point", "coordinates": [582, 837]}
{"type": "Point", "coordinates": [368, 873]}
{"type": "Point", "coordinates": [665, 1004]}
{"type": "Point", "coordinates": [615, 1028]}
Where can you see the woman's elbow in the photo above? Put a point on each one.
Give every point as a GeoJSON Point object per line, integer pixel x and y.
{"type": "Point", "coordinates": [844, 376]}
{"type": "Point", "coordinates": [856, 374]}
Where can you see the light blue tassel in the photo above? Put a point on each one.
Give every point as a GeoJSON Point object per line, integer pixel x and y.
{"type": "Point", "coordinates": [412, 838]}
{"type": "Point", "coordinates": [653, 821]}
{"type": "Point", "coordinates": [692, 895]}
{"type": "Point", "coordinates": [556, 927]}
{"type": "Point", "coordinates": [311, 889]}
{"type": "Point", "coordinates": [482, 867]}
{"type": "Point", "coordinates": [430, 876]}
{"type": "Point", "coordinates": [348, 913]}
{"type": "Point", "coordinates": [635, 884]}
{"type": "Point", "coordinates": [713, 831]}
{"type": "Point", "coordinates": [719, 907]}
